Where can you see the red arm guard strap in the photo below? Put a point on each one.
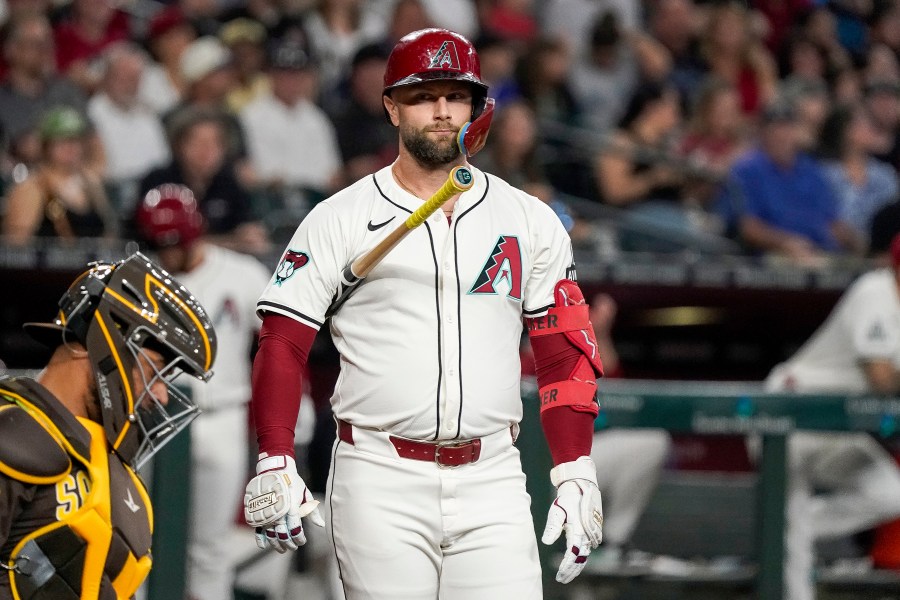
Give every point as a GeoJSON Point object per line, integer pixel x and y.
{"type": "Point", "coordinates": [278, 381]}
{"type": "Point", "coordinates": [569, 431]}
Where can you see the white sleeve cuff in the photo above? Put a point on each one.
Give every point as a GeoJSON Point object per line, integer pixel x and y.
{"type": "Point", "coordinates": [582, 468]}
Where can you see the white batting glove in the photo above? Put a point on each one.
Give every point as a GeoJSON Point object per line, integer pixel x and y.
{"type": "Point", "coordinates": [275, 501]}
{"type": "Point", "coordinates": [578, 510]}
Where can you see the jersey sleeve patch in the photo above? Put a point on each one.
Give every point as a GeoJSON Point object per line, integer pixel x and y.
{"type": "Point", "coordinates": [291, 262]}
{"type": "Point", "coordinates": [29, 453]}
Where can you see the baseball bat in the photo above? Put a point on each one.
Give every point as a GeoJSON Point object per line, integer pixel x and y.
{"type": "Point", "coordinates": [459, 180]}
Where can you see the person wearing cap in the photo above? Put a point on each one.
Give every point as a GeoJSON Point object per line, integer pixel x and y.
{"type": "Point", "coordinates": [291, 141]}
{"type": "Point", "coordinates": [62, 197]}
{"type": "Point", "coordinates": [246, 39]}
{"type": "Point", "coordinates": [75, 516]}
{"type": "Point", "coordinates": [778, 200]}
{"type": "Point", "coordinates": [842, 483]}
{"type": "Point", "coordinates": [169, 221]}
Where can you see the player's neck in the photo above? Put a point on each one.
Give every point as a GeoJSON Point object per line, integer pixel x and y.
{"type": "Point", "coordinates": [419, 181]}
{"type": "Point", "coordinates": [69, 377]}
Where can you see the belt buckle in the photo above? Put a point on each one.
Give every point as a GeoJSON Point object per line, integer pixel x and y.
{"type": "Point", "coordinates": [437, 453]}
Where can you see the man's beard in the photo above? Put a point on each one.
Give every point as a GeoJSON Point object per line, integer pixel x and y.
{"type": "Point", "coordinates": [427, 153]}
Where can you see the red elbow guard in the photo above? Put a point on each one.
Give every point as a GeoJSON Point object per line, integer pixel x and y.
{"type": "Point", "coordinates": [567, 375]}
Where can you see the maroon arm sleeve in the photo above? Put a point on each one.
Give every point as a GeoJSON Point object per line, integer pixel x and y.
{"type": "Point", "coordinates": [278, 381]}
{"type": "Point", "coordinates": [569, 432]}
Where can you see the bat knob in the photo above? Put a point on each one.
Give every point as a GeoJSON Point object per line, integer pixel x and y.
{"type": "Point", "coordinates": [462, 178]}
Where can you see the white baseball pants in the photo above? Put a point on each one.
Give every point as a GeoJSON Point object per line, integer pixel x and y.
{"type": "Point", "coordinates": [410, 529]}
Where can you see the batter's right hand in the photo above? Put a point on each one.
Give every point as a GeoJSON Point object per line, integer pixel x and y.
{"type": "Point", "coordinates": [275, 501]}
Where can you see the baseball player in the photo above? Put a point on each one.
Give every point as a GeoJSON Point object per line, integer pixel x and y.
{"type": "Point", "coordinates": [842, 483]}
{"type": "Point", "coordinates": [75, 519]}
{"type": "Point", "coordinates": [170, 221]}
{"type": "Point", "coordinates": [426, 495]}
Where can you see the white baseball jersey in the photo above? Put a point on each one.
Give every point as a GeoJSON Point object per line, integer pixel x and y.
{"type": "Point", "coordinates": [429, 340]}
{"type": "Point", "coordinates": [864, 325]}
{"type": "Point", "coordinates": [227, 284]}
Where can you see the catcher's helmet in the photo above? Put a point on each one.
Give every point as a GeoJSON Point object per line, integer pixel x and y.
{"type": "Point", "coordinates": [116, 311]}
{"type": "Point", "coordinates": [430, 54]}
{"type": "Point", "coordinates": [169, 215]}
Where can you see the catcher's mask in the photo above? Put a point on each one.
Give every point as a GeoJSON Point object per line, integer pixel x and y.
{"type": "Point", "coordinates": [119, 311]}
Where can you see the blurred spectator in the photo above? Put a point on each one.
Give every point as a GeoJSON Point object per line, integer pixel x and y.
{"type": "Point", "coordinates": [635, 166]}
{"type": "Point", "coordinates": [169, 221]}
{"type": "Point", "coordinates": [88, 28]}
{"type": "Point", "coordinates": [572, 20]}
{"type": "Point", "coordinates": [618, 60]}
{"type": "Point", "coordinates": [32, 86]}
{"type": "Point", "coordinates": [336, 30]}
{"type": "Point", "coordinates": [61, 197]}
{"type": "Point", "coordinates": [542, 75]}
{"type": "Point", "coordinates": [842, 483]}
{"type": "Point", "coordinates": [510, 149]}
{"type": "Point", "coordinates": [509, 20]}
{"type": "Point", "coordinates": [406, 17]}
{"type": "Point", "coordinates": [209, 76]}
{"type": "Point", "coordinates": [498, 66]}
{"type": "Point", "coordinates": [267, 12]}
{"type": "Point", "coordinates": [819, 25]}
{"type": "Point", "coordinates": [246, 39]}
{"type": "Point", "coordinates": [780, 16]}
{"type": "Point", "coordinates": [810, 99]}
{"type": "Point", "coordinates": [292, 142]}
{"type": "Point", "coordinates": [130, 131]}
{"type": "Point", "coordinates": [456, 15]}
{"type": "Point", "coordinates": [733, 52]}
{"type": "Point", "coordinates": [781, 199]}
{"type": "Point", "coordinates": [881, 64]}
{"type": "Point", "coordinates": [802, 59]}
{"type": "Point", "coordinates": [882, 100]}
{"type": "Point", "coordinates": [716, 136]}
{"type": "Point", "coordinates": [168, 36]}
{"type": "Point", "coordinates": [884, 24]}
{"type": "Point", "coordinates": [199, 143]}
{"type": "Point", "coordinates": [366, 139]}
{"type": "Point", "coordinates": [675, 24]}
{"type": "Point", "coordinates": [862, 184]}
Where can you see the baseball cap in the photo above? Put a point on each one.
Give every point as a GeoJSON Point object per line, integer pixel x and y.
{"type": "Point", "coordinates": [204, 56]}
{"type": "Point", "coordinates": [61, 123]}
{"type": "Point", "coordinates": [289, 55]}
{"type": "Point", "coordinates": [242, 29]}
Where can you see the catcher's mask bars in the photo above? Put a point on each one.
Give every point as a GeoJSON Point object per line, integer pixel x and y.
{"type": "Point", "coordinates": [142, 329]}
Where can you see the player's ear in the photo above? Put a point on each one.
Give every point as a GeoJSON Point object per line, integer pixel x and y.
{"type": "Point", "coordinates": [391, 110]}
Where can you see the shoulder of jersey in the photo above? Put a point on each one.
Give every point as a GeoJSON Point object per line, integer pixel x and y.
{"type": "Point", "coordinates": [30, 453]}
{"type": "Point", "coordinates": [348, 199]}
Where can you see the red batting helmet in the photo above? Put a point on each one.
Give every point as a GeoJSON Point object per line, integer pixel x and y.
{"type": "Point", "coordinates": [430, 54]}
{"type": "Point", "coordinates": [169, 215]}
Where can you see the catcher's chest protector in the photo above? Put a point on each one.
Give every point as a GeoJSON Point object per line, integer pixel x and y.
{"type": "Point", "coordinates": [85, 533]}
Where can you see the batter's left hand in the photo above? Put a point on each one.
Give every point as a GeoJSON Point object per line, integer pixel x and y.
{"type": "Point", "coordinates": [577, 510]}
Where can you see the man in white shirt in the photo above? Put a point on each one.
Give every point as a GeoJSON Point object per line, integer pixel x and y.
{"type": "Point", "coordinates": [291, 141]}
{"type": "Point", "coordinates": [130, 131]}
{"type": "Point", "coordinates": [855, 351]}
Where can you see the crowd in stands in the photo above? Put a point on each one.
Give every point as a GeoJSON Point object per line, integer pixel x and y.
{"type": "Point", "coordinates": [770, 123]}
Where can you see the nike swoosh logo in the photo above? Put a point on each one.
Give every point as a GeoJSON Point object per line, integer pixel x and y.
{"type": "Point", "coordinates": [372, 227]}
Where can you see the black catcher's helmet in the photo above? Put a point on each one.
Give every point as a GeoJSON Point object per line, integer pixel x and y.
{"type": "Point", "coordinates": [116, 311]}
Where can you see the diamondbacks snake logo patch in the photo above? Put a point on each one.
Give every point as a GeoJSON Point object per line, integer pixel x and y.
{"type": "Point", "coordinates": [502, 271]}
{"type": "Point", "coordinates": [293, 261]}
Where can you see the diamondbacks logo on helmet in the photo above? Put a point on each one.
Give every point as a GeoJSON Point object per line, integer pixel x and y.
{"type": "Point", "coordinates": [503, 268]}
{"type": "Point", "coordinates": [293, 260]}
{"type": "Point", "coordinates": [446, 57]}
